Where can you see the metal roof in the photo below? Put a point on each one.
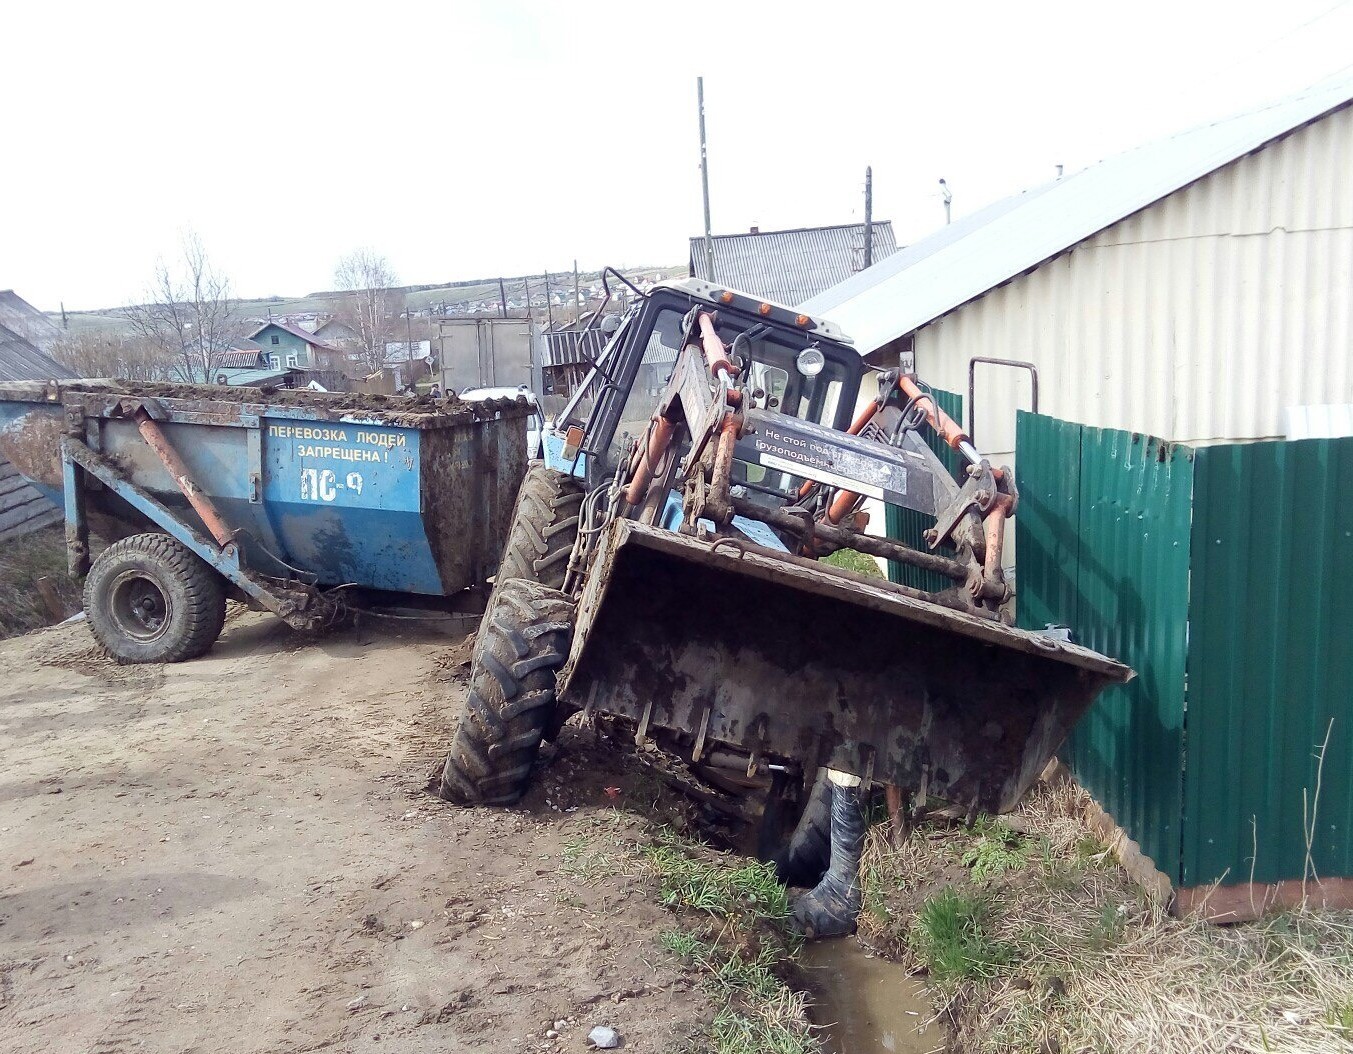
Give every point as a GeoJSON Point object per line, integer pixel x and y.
{"type": "Point", "coordinates": [21, 361]}
{"type": "Point", "coordinates": [790, 266]}
{"type": "Point", "coordinates": [256, 378]}
{"type": "Point", "coordinates": [967, 259]}
{"type": "Point", "coordinates": [19, 316]}
{"type": "Point", "coordinates": [240, 360]}
{"type": "Point", "coordinates": [296, 331]}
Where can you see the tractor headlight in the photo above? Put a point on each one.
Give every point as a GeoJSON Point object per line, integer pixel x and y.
{"type": "Point", "coordinates": [810, 362]}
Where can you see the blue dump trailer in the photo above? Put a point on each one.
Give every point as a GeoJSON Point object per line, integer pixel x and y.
{"type": "Point", "coordinates": [296, 502]}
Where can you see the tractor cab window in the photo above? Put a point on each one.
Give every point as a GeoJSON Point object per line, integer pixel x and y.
{"type": "Point", "coordinates": [772, 353]}
{"type": "Point", "coordinates": [655, 369]}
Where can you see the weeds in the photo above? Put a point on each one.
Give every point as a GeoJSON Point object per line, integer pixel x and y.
{"type": "Point", "coordinates": [998, 849]}
{"type": "Point", "coordinates": [950, 936]}
{"type": "Point", "coordinates": [41, 554]}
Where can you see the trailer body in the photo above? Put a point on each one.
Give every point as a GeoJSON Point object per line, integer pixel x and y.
{"type": "Point", "coordinates": [394, 495]}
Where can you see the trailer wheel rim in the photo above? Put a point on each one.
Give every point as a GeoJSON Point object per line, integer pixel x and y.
{"type": "Point", "coordinates": [140, 607]}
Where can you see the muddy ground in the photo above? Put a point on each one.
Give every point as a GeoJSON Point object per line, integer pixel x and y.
{"type": "Point", "coordinates": [238, 854]}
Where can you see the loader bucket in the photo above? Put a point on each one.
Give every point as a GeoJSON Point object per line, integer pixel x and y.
{"type": "Point", "coordinates": [791, 660]}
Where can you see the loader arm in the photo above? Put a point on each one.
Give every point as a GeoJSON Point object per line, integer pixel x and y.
{"type": "Point", "coordinates": [704, 615]}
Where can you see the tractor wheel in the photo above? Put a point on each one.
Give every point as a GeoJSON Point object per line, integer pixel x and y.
{"type": "Point", "coordinates": [544, 527]}
{"type": "Point", "coordinates": [149, 598]}
{"type": "Point", "coordinates": [522, 643]}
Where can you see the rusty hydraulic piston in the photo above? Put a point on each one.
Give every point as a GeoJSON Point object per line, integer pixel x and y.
{"type": "Point", "coordinates": [178, 471]}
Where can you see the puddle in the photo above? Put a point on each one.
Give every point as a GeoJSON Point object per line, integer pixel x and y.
{"type": "Point", "coordinates": [869, 1005]}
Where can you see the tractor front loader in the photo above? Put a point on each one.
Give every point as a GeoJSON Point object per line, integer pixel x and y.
{"type": "Point", "coordinates": [665, 566]}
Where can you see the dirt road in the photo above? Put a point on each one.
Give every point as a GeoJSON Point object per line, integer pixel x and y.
{"type": "Point", "coordinates": [237, 854]}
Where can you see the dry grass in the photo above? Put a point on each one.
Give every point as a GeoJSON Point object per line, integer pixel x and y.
{"type": "Point", "coordinates": [1084, 962]}
{"type": "Point", "coordinates": [23, 561]}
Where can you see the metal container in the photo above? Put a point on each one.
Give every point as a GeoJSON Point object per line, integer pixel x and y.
{"type": "Point", "coordinates": [387, 494]}
{"type": "Point", "coordinates": [488, 353]}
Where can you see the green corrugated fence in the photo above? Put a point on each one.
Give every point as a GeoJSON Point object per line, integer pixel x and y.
{"type": "Point", "coordinates": [1218, 574]}
{"type": "Point", "coordinates": [910, 527]}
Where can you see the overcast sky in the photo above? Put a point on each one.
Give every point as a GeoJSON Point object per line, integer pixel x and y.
{"type": "Point", "coordinates": [468, 139]}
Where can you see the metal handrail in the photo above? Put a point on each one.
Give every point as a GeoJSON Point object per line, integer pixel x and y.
{"type": "Point", "coordinates": [1018, 364]}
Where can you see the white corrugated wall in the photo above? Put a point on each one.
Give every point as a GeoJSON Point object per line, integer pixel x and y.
{"type": "Point", "coordinates": [1200, 318]}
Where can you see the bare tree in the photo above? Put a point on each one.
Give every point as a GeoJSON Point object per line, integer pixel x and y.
{"type": "Point", "coordinates": [371, 306]}
{"type": "Point", "coordinates": [103, 354]}
{"type": "Point", "coordinates": [190, 316]}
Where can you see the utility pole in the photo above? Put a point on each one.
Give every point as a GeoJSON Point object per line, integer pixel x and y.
{"type": "Point", "coordinates": [549, 306]}
{"type": "Point", "coordinates": [868, 215]}
{"type": "Point", "coordinates": [502, 297]}
{"type": "Point", "coordinates": [63, 312]}
{"type": "Point", "coordinates": [577, 296]}
{"type": "Point", "coordinates": [948, 200]}
{"type": "Point", "coordinates": [526, 286]}
{"type": "Point", "coordinates": [704, 177]}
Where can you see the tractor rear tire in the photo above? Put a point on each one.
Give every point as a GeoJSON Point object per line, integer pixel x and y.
{"type": "Point", "coordinates": [544, 527]}
{"type": "Point", "coordinates": [522, 643]}
{"type": "Point", "coordinates": [149, 598]}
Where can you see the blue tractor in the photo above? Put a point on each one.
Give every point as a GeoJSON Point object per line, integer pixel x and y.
{"type": "Point", "coordinates": [664, 567]}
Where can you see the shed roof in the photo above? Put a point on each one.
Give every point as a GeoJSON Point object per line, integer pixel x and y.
{"type": "Point", "coordinates": [239, 360]}
{"type": "Point", "coordinates": [961, 262]}
{"type": "Point", "coordinates": [257, 378]}
{"type": "Point", "coordinates": [19, 316]}
{"type": "Point", "coordinates": [790, 266]}
{"type": "Point", "coordinates": [20, 360]}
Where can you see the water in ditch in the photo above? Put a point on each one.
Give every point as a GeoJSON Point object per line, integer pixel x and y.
{"type": "Point", "coordinates": [868, 1005]}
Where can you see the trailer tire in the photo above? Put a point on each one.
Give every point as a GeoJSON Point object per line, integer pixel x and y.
{"type": "Point", "coordinates": [544, 527]}
{"type": "Point", "coordinates": [149, 598]}
{"type": "Point", "coordinates": [522, 643]}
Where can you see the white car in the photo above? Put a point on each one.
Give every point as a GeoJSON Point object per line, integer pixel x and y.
{"type": "Point", "coordinates": [535, 424]}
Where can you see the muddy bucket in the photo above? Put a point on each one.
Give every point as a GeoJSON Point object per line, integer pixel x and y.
{"type": "Point", "coordinates": [792, 661]}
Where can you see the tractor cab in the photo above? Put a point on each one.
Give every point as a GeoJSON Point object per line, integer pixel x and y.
{"type": "Point", "coordinates": [796, 365]}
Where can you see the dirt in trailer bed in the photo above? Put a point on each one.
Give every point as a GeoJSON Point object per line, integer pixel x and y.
{"type": "Point", "coordinates": [396, 410]}
{"type": "Point", "coordinates": [238, 853]}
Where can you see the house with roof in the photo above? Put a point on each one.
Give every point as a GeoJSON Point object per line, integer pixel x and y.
{"type": "Point", "coordinates": [1182, 315]}
{"type": "Point", "coordinates": [1196, 288]}
{"type": "Point", "coordinates": [286, 345]}
{"type": "Point", "coordinates": [790, 266]}
{"type": "Point", "coordinates": [23, 509]}
{"type": "Point", "coordinates": [338, 334]}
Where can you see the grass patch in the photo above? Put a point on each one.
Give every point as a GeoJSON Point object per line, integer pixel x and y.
{"type": "Point", "coordinates": [853, 560]}
{"type": "Point", "coordinates": [688, 879]}
{"type": "Point", "coordinates": [41, 554]}
{"type": "Point", "coordinates": [951, 937]}
{"type": "Point", "coordinates": [734, 1032]}
{"type": "Point", "coordinates": [758, 1012]}
{"type": "Point", "coordinates": [582, 861]}
{"type": "Point", "coordinates": [740, 944]}
{"type": "Point", "coordinates": [1062, 952]}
